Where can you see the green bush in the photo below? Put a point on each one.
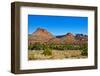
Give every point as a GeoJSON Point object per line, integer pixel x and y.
{"type": "Point", "coordinates": [84, 52]}
{"type": "Point", "coordinates": [47, 50]}
{"type": "Point", "coordinates": [58, 47]}
{"type": "Point", "coordinates": [52, 46]}
{"type": "Point", "coordinates": [30, 47]}
{"type": "Point", "coordinates": [76, 47]}
{"type": "Point", "coordinates": [37, 46]}
{"type": "Point", "coordinates": [69, 47]}
{"type": "Point", "coordinates": [65, 47]}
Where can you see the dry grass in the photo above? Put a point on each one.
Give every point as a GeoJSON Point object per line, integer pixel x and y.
{"type": "Point", "coordinates": [37, 55]}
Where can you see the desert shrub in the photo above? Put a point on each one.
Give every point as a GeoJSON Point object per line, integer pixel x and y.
{"type": "Point", "coordinates": [82, 46]}
{"type": "Point", "coordinates": [76, 47]}
{"type": "Point", "coordinates": [69, 47]}
{"type": "Point", "coordinates": [37, 46]}
{"type": "Point", "coordinates": [59, 47]}
{"type": "Point", "coordinates": [47, 50]}
{"type": "Point", "coordinates": [30, 47]}
{"type": "Point", "coordinates": [56, 47]}
{"type": "Point", "coordinates": [52, 46]}
{"type": "Point", "coordinates": [84, 50]}
{"type": "Point", "coordinates": [64, 47]}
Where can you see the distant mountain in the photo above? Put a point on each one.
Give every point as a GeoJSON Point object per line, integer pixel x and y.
{"type": "Point", "coordinates": [60, 36]}
{"type": "Point", "coordinates": [42, 33]}
{"type": "Point", "coordinates": [81, 36]}
{"type": "Point", "coordinates": [43, 36]}
{"type": "Point", "coordinates": [40, 36]}
{"type": "Point", "coordinates": [68, 38]}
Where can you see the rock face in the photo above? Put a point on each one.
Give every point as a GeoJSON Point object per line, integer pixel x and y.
{"type": "Point", "coordinates": [42, 33]}
{"type": "Point", "coordinates": [43, 36]}
{"type": "Point", "coordinates": [40, 36]}
{"type": "Point", "coordinates": [55, 41]}
{"type": "Point", "coordinates": [68, 38]}
{"type": "Point", "coordinates": [80, 39]}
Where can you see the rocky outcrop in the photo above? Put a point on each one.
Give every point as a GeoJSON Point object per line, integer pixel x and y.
{"type": "Point", "coordinates": [68, 38]}
{"type": "Point", "coordinates": [40, 36]}
{"type": "Point", "coordinates": [43, 36]}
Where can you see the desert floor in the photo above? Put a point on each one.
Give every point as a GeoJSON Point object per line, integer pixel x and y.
{"type": "Point", "coordinates": [38, 55]}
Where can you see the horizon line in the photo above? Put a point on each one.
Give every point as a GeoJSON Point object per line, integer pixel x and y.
{"type": "Point", "coordinates": [58, 34]}
{"type": "Point", "coordinates": [63, 34]}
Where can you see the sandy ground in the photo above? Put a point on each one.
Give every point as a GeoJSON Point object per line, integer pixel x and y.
{"type": "Point", "coordinates": [37, 55]}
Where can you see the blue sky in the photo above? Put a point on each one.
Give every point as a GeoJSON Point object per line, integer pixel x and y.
{"type": "Point", "coordinates": [58, 25]}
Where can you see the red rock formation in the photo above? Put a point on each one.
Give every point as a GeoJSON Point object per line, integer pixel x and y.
{"type": "Point", "coordinates": [69, 38]}
{"type": "Point", "coordinates": [55, 41]}
{"type": "Point", "coordinates": [43, 36]}
{"type": "Point", "coordinates": [42, 32]}
{"type": "Point", "coordinates": [40, 36]}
